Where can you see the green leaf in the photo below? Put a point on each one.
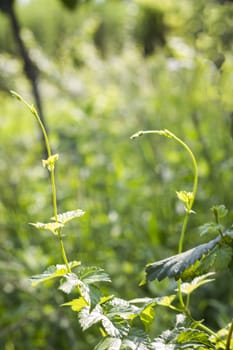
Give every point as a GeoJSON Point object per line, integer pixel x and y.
{"type": "Point", "coordinates": [210, 228]}
{"type": "Point", "coordinates": [219, 210]}
{"type": "Point", "coordinates": [93, 274]}
{"type": "Point", "coordinates": [174, 266]}
{"type": "Point", "coordinates": [224, 255]}
{"type": "Point", "coordinates": [51, 226]}
{"type": "Point", "coordinates": [147, 316]}
{"type": "Point", "coordinates": [69, 215]}
{"type": "Point", "coordinates": [188, 288]}
{"type": "Point", "coordinates": [122, 308]}
{"type": "Point", "coordinates": [71, 281]}
{"type": "Point", "coordinates": [52, 272]}
{"type": "Point", "coordinates": [137, 339]}
{"type": "Point", "coordinates": [88, 318]}
{"type": "Point", "coordinates": [109, 343]}
{"type": "Point", "coordinates": [193, 337]}
{"type": "Point", "coordinates": [113, 327]}
{"type": "Point", "coordinates": [76, 304]}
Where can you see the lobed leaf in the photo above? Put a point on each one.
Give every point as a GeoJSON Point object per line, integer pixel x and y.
{"type": "Point", "coordinates": [52, 272]}
{"type": "Point", "coordinates": [188, 288]}
{"type": "Point", "coordinates": [93, 274]}
{"type": "Point", "coordinates": [174, 266]}
{"type": "Point", "coordinates": [76, 304]}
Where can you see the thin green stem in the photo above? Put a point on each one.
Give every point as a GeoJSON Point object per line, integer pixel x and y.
{"type": "Point", "coordinates": [169, 134]}
{"type": "Point", "coordinates": [229, 336]}
{"type": "Point", "coordinates": [52, 173]}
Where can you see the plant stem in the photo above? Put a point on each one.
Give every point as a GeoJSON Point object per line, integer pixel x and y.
{"type": "Point", "coordinates": [52, 174]}
{"type": "Point", "coordinates": [169, 134]}
{"type": "Point", "coordinates": [228, 344]}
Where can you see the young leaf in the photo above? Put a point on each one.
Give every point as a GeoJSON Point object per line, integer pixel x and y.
{"type": "Point", "coordinates": [174, 266]}
{"type": "Point", "coordinates": [53, 271]}
{"type": "Point", "coordinates": [50, 162]}
{"type": "Point", "coordinates": [69, 215]}
{"type": "Point", "coordinates": [76, 304]}
{"type": "Point", "coordinates": [51, 226]}
{"type": "Point", "coordinates": [188, 288]}
{"type": "Point", "coordinates": [219, 211]}
{"type": "Point", "coordinates": [210, 228]}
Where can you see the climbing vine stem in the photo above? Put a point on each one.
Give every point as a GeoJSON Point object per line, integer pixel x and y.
{"type": "Point", "coordinates": [186, 197]}
{"type": "Point", "coordinates": [50, 164]}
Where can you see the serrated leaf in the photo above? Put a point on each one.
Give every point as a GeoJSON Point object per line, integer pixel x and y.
{"type": "Point", "coordinates": [188, 288]}
{"type": "Point", "coordinates": [52, 272]}
{"type": "Point", "coordinates": [76, 304]}
{"type": "Point", "coordinates": [50, 226]}
{"type": "Point", "coordinates": [166, 300]}
{"type": "Point", "coordinates": [87, 318]}
{"type": "Point", "coordinates": [109, 343]}
{"type": "Point", "coordinates": [147, 316]}
{"type": "Point", "coordinates": [193, 337]}
{"type": "Point", "coordinates": [174, 266]}
{"type": "Point", "coordinates": [69, 215]}
{"type": "Point", "coordinates": [122, 308]}
{"type": "Point", "coordinates": [71, 280]}
{"type": "Point", "coordinates": [93, 274]}
{"type": "Point", "coordinates": [136, 340]}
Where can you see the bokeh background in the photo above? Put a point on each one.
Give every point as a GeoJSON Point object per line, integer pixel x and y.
{"type": "Point", "coordinates": [98, 71]}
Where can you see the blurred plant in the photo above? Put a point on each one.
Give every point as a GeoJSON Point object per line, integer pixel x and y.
{"type": "Point", "coordinates": [125, 324]}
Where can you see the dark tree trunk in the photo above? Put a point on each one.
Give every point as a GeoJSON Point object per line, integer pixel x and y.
{"type": "Point", "coordinates": [30, 70]}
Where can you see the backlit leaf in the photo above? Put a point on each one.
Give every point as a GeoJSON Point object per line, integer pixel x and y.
{"type": "Point", "coordinates": [76, 304]}
{"type": "Point", "coordinates": [53, 271]}
{"type": "Point", "coordinates": [109, 343]}
{"type": "Point", "coordinates": [188, 288]}
{"type": "Point", "coordinates": [69, 215]}
{"type": "Point", "coordinates": [51, 226]}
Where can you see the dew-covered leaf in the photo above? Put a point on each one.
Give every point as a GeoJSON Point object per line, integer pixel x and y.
{"type": "Point", "coordinates": [69, 215]}
{"type": "Point", "coordinates": [174, 266]}
{"type": "Point", "coordinates": [53, 271]}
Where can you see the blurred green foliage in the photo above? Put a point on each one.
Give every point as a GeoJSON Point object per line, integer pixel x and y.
{"type": "Point", "coordinates": [98, 89]}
